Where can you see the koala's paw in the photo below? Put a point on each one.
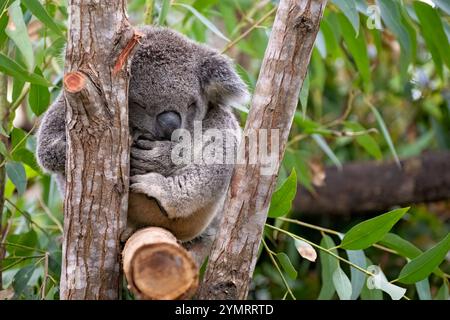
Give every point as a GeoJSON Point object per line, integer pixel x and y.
{"type": "Point", "coordinates": [151, 156]}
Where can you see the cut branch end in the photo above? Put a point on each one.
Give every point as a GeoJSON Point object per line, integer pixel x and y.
{"type": "Point", "coordinates": [74, 81]}
{"type": "Point", "coordinates": [157, 267]}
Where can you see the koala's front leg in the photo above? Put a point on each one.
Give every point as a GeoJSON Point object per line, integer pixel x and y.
{"type": "Point", "coordinates": [190, 189]}
{"type": "Point", "coordinates": [152, 156]}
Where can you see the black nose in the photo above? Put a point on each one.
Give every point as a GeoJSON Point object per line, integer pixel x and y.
{"type": "Point", "coordinates": [167, 123]}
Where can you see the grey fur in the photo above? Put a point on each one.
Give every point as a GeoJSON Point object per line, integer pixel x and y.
{"type": "Point", "coordinates": [168, 73]}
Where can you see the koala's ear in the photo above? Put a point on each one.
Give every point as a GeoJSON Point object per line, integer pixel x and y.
{"type": "Point", "coordinates": [220, 82]}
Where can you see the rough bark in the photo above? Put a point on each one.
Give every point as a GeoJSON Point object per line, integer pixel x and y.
{"type": "Point", "coordinates": [95, 204]}
{"type": "Point", "coordinates": [157, 267]}
{"type": "Point", "coordinates": [233, 256]}
{"type": "Point", "coordinates": [377, 186]}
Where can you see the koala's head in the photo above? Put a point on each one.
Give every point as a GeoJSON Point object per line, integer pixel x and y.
{"type": "Point", "coordinates": [175, 81]}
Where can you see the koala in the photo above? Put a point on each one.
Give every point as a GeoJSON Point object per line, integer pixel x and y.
{"type": "Point", "coordinates": [175, 83]}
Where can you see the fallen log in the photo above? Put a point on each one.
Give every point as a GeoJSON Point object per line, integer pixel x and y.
{"type": "Point", "coordinates": [368, 187]}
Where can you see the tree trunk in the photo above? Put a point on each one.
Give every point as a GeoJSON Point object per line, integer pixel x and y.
{"type": "Point", "coordinates": [234, 252]}
{"type": "Point", "coordinates": [375, 187]}
{"type": "Point", "coordinates": [96, 94]}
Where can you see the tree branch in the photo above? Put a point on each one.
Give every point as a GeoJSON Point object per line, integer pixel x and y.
{"type": "Point", "coordinates": [367, 187]}
{"type": "Point", "coordinates": [284, 67]}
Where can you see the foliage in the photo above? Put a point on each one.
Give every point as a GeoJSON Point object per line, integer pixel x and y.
{"type": "Point", "coordinates": [377, 88]}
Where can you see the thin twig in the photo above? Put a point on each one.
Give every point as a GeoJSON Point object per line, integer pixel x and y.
{"type": "Point", "coordinates": [246, 32]}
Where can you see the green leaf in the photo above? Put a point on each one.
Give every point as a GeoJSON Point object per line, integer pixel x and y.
{"type": "Point", "coordinates": [423, 289]}
{"type": "Point", "coordinates": [3, 150]}
{"type": "Point", "coordinates": [366, 233]}
{"type": "Point", "coordinates": [163, 12]}
{"type": "Point", "coordinates": [386, 134]}
{"type": "Point", "coordinates": [342, 284]}
{"type": "Point", "coordinates": [16, 173]}
{"type": "Point", "coordinates": [17, 32]}
{"type": "Point", "coordinates": [39, 12]}
{"type": "Point", "coordinates": [18, 138]}
{"type": "Point", "coordinates": [326, 148]}
{"type": "Point", "coordinates": [13, 69]}
{"type": "Point", "coordinates": [357, 47]}
{"type": "Point", "coordinates": [348, 7]}
{"type": "Point", "coordinates": [433, 33]}
{"type": "Point", "coordinates": [21, 279]}
{"type": "Point", "coordinates": [433, 30]}
{"type": "Point", "coordinates": [39, 97]}
{"type": "Point", "coordinates": [419, 268]}
{"type": "Point", "coordinates": [203, 20]}
{"type": "Point", "coordinates": [287, 265]}
{"type": "Point", "coordinates": [392, 17]}
{"type": "Point", "coordinates": [366, 141]}
{"type": "Point", "coordinates": [328, 264]}
{"type": "Point", "coordinates": [3, 23]}
{"type": "Point", "coordinates": [282, 198]}
{"type": "Point", "coordinates": [402, 246]}
{"type": "Point", "coordinates": [331, 41]}
{"type": "Point", "coordinates": [358, 278]}
{"type": "Point", "coordinates": [27, 157]}
{"type": "Point", "coordinates": [297, 159]}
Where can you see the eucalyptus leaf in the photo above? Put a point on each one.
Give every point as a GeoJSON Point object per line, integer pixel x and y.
{"type": "Point", "coordinates": [420, 267]}
{"type": "Point", "coordinates": [286, 264]}
{"type": "Point", "coordinates": [328, 264]}
{"type": "Point", "coordinates": [16, 173]}
{"type": "Point", "coordinates": [18, 33]}
{"type": "Point", "coordinates": [39, 12]}
{"type": "Point", "coordinates": [366, 233]}
{"type": "Point", "coordinates": [282, 198]}
{"type": "Point", "coordinates": [342, 284]}
{"type": "Point", "coordinates": [348, 7]}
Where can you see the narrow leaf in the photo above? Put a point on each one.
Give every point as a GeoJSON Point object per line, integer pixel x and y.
{"type": "Point", "coordinates": [328, 265]}
{"type": "Point", "coordinates": [326, 148]}
{"type": "Point", "coordinates": [17, 32]}
{"type": "Point", "coordinates": [358, 278]}
{"type": "Point", "coordinates": [342, 284]}
{"type": "Point", "coordinates": [13, 69]}
{"type": "Point", "coordinates": [203, 20]}
{"type": "Point", "coordinates": [366, 233]}
{"type": "Point", "coordinates": [39, 12]}
{"type": "Point", "coordinates": [286, 264]}
{"type": "Point", "coordinates": [39, 97]}
{"type": "Point", "coordinates": [423, 289]}
{"type": "Point", "coordinates": [163, 12]}
{"type": "Point", "coordinates": [16, 173]}
{"type": "Point", "coordinates": [419, 268]}
{"type": "Point", "coordinates": [348, 7]}
{"type": "Point", "coordinates": [386, 134]}
{"type": "Point", "coordinates": [282, 198]}
{"type": "Point", "coordinates": [358, 49]}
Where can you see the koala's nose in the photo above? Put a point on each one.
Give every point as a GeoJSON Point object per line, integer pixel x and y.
{"type": "Point", "coordinates": [168, 122]}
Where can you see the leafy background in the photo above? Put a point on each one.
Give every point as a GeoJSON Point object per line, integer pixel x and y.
{"type": "Point", "coordinates": [377, 88]}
